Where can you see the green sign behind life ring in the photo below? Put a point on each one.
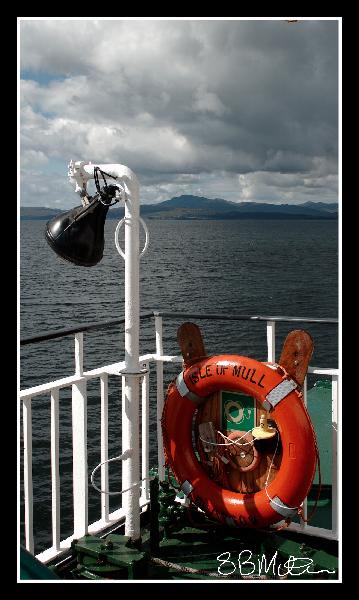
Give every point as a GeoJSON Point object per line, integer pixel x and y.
{"type": "Point", "coordinates": [238, 411]}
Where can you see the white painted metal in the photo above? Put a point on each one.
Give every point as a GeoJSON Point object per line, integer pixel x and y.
{"type": "Point", "coordinates": [55, 472]}
{"type": "Point", "coordinates": [79, 435]}
{"type": "Point", "coordinates": [160, 397]}
{"type": "Point", "coordinates": [117, 233]}
{"type": "Point", "coordinates": [319, 371]}
{"type": "Point", "coordinates": [111, 369]}
{"type": "Point", "coordinates": [271, 341]}
{"type": "Point", "coordinates": [130, 466]}
{"type": "Point", "coordinates": [104, 447]}
{"type": "Point", "coordinates": [79, 458]}
{"type": "Point", "coordinates": [79, 353]}
{"type": "Point", "coordinates": [47, 387]}
{"type": "Point", "coordinates": [316, 531]}
{"type": "Point", "coordinates": [145, 433]}
{"type": "Point", "coordinates": [303, 524]}
{"type": "Point", "coordinates": [335, 455]}
{"type": "Point", "coordinates": [79, 173]}
{"type": "Point", "coordinates": [130, 383]}
{"type": "Point", "coordinates": [28, 491]}
{"type": "Point", "coordinates": [98, 527]}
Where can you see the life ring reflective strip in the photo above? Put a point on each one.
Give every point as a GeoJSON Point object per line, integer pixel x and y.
{"type": "Point", "coordinates": [268, 384]}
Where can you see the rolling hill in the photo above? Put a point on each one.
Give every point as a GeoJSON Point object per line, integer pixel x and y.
{"type": "Point", "coordinates": [197, 207]}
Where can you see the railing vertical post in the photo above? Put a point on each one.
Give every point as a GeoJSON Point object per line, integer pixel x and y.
{"type": "Point", "coordinates": [104, 446]}
{"type": "Point", "coordinates": [303, 523]}
{"type": "Point", "coordinates": [271, 341]}
{"type": "Point", "coordinates": [28, 490]}
{"type": "Point", "coordinates": [145, 433]}
{"type": "Point", "coordinates": [79, 445]}
{"type": "Point", "coordinates": [160, 397]}
{"type": "Point", "coordinates": [79, 353]}
{"type": "Point", "coordinates": [55, 473]}
{"type": "Point", "coordinates": [335, 454]}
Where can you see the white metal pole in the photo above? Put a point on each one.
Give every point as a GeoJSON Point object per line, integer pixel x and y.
{"type": "Point", "coordinates": [145, 433]}
{"type": "Point", "coordinates": [79, 443]}
{"type": "Point", "coordinates": [271, 341]}
{"type": "Point", "coordinates": [55, 472]}
{"type": "Point", "coordinates": [80, 172]}
{"type": "Point", "coordinates": [335, 455]}
{"type": "Point", "coordinates": [28, 491]}
{"type": "Point", "coordinates": [303, 521]}
{"type": "Point", "coordinates": [130, 383]}
{"type": "Point", "coordinates": [104, 447]}
{"type": "Point", "coordinates": [79, 457]}
{"type": "Point", "coordinates": [160, 397]}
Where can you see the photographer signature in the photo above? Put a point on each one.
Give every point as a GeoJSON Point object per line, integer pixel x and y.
{"type": "Point", "coordinates": [293, 566]}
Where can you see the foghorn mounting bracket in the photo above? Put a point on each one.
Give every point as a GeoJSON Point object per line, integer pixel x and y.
{"type": "Point", "coordinates": [107, 195]}
{"type": "Point", "coordinates": [78, 176]}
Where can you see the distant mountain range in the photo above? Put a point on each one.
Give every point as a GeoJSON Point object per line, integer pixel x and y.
{"type": "Point", "coordinates": [197, 207]}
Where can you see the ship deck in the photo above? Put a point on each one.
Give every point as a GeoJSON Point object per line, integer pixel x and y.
{"type": "Point", "coordinates": [201, 550]}
{"type": "Point", "coordinates": [183, 550]}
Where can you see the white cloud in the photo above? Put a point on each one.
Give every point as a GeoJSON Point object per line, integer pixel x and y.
{"type": "Point", "coordinates": [204, 99]}
{"type": "Point", "coordinates": [291, 188]}
{"type": "Point", "coordinates": [33, 158]}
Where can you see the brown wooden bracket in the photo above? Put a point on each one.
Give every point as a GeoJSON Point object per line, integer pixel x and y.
{"type": "Point", "coordinates": [296, 353]}
{"type": "Point", "coordinates": [191, 343]}
{"type": "Point", "coordinates": [295, 357]}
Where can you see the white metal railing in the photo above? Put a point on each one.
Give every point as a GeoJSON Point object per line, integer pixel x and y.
{"type": "Point", "coordinates": [78, 383]}
{"type": "Point", "coordinates": [304, 527]}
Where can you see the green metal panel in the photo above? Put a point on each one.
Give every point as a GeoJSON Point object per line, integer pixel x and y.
{"type": "Point", "coordinates": [319, 400]}
{"type": "Point", "coordinates": [31, 568]}
{"type": "Point", "coordinates": [113, 557]}
{"type": "Point", "coordinates": [237, 411]}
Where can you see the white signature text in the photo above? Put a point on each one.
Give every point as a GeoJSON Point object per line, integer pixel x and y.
{"type": "Point", "coordinates": [260, 566]}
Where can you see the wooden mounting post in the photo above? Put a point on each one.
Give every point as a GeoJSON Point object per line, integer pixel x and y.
{"type": "Point", "coordinates": [296, 353]}
{"type": "Point", "coordinates": [191, 343]}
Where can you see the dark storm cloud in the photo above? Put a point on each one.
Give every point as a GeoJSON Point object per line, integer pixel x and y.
{"type": "Point", "coordinates": [184, 97]}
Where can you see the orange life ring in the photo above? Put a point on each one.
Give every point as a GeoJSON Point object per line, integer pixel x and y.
{"type": "Point", "coordinates": [271, 386]}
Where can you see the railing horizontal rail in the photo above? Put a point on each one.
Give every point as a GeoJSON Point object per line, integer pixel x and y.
{"type": "Point", "coordinates": [223, 317]}
{"type": "Point", "coordinates": [115, 369]}
{"type": "Point", "coordinates": [51, 335]}
{"type": "Point", "coordinates": [319, 371]}
{"type": "Point", "coordinates": [78, 382]}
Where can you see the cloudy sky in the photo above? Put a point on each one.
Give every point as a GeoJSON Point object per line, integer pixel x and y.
{"type": "Point", "coordinates": [241, 110]}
